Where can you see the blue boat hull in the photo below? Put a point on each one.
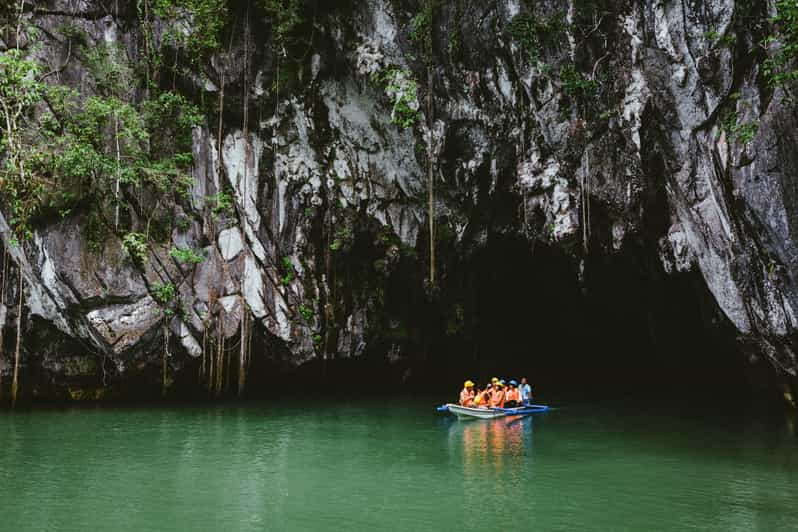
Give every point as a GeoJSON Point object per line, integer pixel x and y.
{"type": "Point", "coordinates": [528, 409]}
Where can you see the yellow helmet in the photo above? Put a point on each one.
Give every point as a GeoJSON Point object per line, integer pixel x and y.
{"type": "Point", "coordinates": [468, 384]}
{"type": "Point", "coordinates": [494, 380]}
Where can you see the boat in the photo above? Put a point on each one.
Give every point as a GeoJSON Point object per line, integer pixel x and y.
{"type": "Point", "coordinates": [469, 412]}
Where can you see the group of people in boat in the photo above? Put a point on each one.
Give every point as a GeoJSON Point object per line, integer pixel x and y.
{"type": "Point", "coordinates": [496, 394]}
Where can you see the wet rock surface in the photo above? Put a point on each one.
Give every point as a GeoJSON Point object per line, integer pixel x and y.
{"type": "Point", "coordinates": [605, 140]}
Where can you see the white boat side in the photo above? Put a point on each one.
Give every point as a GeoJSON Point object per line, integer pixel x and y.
{"type": "Point", "coordinates": [467, 412]}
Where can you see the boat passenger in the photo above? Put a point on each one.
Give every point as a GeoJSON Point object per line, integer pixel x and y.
{"type": "Point", "coordinates": [525, 391]}
{"type": "Point", "coordinates": [480, 399]}
{"type": "Point", "coordinates": [486, 395]}
{"type": "Point", "coordinates": [497, 397]}
{"type": "Point", "coordinates": [511, 397]}
{"type": "Point", "coordinates": [467, 394]}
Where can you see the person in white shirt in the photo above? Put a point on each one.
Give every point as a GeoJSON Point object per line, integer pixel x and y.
{"type": "Point", "coordinates": [526, 391]}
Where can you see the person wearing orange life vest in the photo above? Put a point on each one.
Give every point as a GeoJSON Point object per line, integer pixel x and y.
{"type": "Point", "coordinates": [497, 397]}
{"type": "Point", "coordinates": [491, 389]}
{"type": "Point", "coordinates": [482, 399]}
{"type": "Point", "coordinates": [479, 398]}
{"type": "Point", "coordinates": [512, 398]}
{"type": "Point", "coordinates": [467, 394]}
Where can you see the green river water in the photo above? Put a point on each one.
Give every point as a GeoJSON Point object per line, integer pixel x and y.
{"type": "Point", "coordinates": [395, 464]}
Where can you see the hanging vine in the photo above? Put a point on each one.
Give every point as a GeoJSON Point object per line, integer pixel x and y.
{"type": "Point", "coordinates": [428, 42]}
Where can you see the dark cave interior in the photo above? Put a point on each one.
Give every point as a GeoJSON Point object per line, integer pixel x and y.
{"type": "Point", "coordinates": [626, 329]}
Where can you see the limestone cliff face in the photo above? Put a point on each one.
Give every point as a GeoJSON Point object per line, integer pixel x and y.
{"type": "Point", "coordinates": [586, 127]}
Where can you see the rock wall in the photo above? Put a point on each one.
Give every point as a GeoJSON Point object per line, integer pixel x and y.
{"type": "Point", "coordinates": [592, 128]}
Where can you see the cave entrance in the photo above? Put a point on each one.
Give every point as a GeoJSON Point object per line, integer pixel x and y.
{"type": "Point", "coordinates": [627, 328]}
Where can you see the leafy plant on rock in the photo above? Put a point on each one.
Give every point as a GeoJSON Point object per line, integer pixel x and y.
{"type": "Point", "coordinates": [194, 25]}
{"type": "Point", "coordinates": [163, 293]}
{"type": "Point", "coordinates": [287, 17]}
{"type": "Point", "coordinates": [533, 33]}
{"type": "Point", "coordinates": [187, 255]}
{"type": "Point", "coordinates": [402, 89]}
{"type": "Point", "coordinates": [780, 67]}
{"type": "Point", "coordinates": [306, 312]}
{"type": "Point", "coordinates": [222, 204]}
{"type": "Point", "coordinates": [575, 84]}
{"type": "Point", "coordinates": [109, 68]}
{"type": "Point", "coordinates": [737, 130]}
{"type": "Point", "coordinates": [289, 272]}
{"type": "Point", "coordinates": [135, 244]}
{"type": "Point", "coordinates": [20, 184]}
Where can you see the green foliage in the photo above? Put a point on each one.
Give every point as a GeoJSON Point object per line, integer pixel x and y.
{"type": "Point", "coordinates": [171, 118]}
{"type": "Point", "coordinates": [187, 255]}
{"type": "Point", "coordinates": [453, 44]}
{"type": "Point", "coordinates": [726, 40]}
{"type": "Point", "coordinates": [735, 130]}
{"type": "Point", "coordinates": [19, 87]}
{"type": "Point", "coordinates": [746, 132]}
{"type": "Point", "coordinates": [183, 223]}
{"type": "Point", "coordinates": [21, 186]}
{"type": "Point", "coordinates": [317, 340]}
{"type": "Point", "coordinates": [195, 25]}
{"type": "Point", "coordinates": [95, 232]}
{"type": "Point", "coordinates": [84, 144]}
{"type": "Point", "coordinates": [533, 33]}
{"type": "Point", "coordinates": [306, 312]}
{"type": "Point", "coordinates": [163, 293]}
{"type": "Point", "coordinates": [71, 31]}
{"type": "Point", "coordinates": [421, 22]}
{"type": "Point", "coordinates": [109, 68]}
{"type": "Point", "coordinates": [222, 203]}
{"type": "Point", "coordinates": [402, 89]}
{"type": "Point", "coordinates": [167, 175]}
{"type": "Point", "coordinates": [18, 84]}
{"type": "Point", "coordinates": [104, 139]}
{"type": "Point", "coordinates": [780, 68]}
{"type": "Point", "coordinates": [287, 18]}
{"type": "Point", "coordinates": [343, 236]}
{"type": "Point", "coordinates": [575, 84]}
{"type": "Point", "coordinates": [97, 148]}
{"type": "Point", "coordinates": [135, 244]}
{"type": "Point", "coordinates": [289, 271]}
{"type": "Point", "coordinates": [386, 237]}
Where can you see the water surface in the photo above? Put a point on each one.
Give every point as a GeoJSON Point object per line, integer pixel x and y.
{"type": "Point", "coordinates": [396, 465]}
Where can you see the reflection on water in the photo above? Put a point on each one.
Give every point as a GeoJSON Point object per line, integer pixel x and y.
{"type": "Point", "coordinates": [394, 465]}
{"type": "Point", "coordinates": [496, 457]}
{"type": "Point", "coordinates": [496, 445]}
